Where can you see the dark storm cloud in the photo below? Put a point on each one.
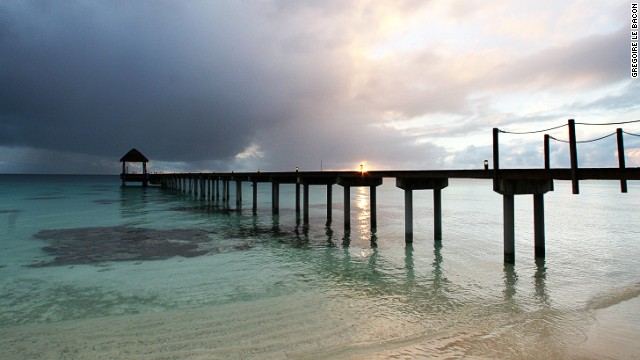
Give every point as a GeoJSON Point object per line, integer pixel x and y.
{"type": "Point", "coordinates": [183, 82]}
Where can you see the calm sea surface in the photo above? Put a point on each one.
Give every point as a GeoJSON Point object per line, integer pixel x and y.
{"type": "Point", "coordinates": [89, 269]}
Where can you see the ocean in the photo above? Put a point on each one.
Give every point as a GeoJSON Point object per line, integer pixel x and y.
{"type": "Point", "coordinates": [93, 270]}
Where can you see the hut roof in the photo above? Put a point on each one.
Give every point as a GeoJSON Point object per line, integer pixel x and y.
{"type": "Point", "coordinates": [134, 156]}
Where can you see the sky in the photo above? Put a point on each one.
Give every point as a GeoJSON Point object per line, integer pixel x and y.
{"type": "Point", "coordinates": [274, 84]}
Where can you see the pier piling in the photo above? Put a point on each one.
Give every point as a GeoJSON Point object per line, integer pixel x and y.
{"type": "Point", "coordinates": [538, 227]}
{"type": "Point", "coordinates": [347, 207]}
{"type": "Point", "coordinates": [275, 198]}
{"type": "Point", "coordinates": [297, 200]}
{"type": "Point", "coordinates": [372, 207]}
{"type": "Point", "coordinates": [510, 187]}
{"type": "Point", "coordinates": [437, 214]}
{"type": "Point", "coordinates": [435, 184]}
{"type": "Point", "coordinates": [305, 203]}
{"type": "Point", "coordinates": [238, 194]}
{"type": "Point", "coordinates": [361, 180]}
{"type": "Point", "coordinates": [509, 228]}
{"type": "Point", "coordinates": [329, 203]}
{"type": "Point", "coordinates": [254, 207]}
{"type": "Point", "coordinates": [408, 216]}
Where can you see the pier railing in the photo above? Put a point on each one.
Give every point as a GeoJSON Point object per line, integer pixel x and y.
{"type": "Point", "coordinates": [604, 174]}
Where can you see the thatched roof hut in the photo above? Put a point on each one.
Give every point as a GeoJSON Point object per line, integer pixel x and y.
{"type": "Point", "coordinates": [134, 156]}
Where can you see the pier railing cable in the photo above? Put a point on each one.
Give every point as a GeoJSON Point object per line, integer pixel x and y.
{"type": "Point", "coordinates": [563, 125]}
{"type": "Point", "coordinates": [610, 123]}
{"type": "Point", "coordinates": [583, 141]}
{"type": "Point", "coordinates": [531, 132]}
{"type": "Point", "coordinates": [632, 134]}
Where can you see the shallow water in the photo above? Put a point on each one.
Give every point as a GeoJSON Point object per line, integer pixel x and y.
{"type": "Point", "coordinates": [92, 270]}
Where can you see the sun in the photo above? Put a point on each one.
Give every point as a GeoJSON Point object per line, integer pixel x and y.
{"type": "Point", "coordinates": [362, 167]}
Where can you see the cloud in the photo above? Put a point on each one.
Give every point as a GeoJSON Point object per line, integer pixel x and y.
{"type": "Point", "coordinates": [275, 84]}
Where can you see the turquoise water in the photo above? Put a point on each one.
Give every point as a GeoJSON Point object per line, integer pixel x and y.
{"type": "Point", "coordinates": [89, 269]}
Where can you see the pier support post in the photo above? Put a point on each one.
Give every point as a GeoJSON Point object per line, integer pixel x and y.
{"type": "Point", "coordinates": [573, 151]}
{"type": "Point", "coordinates": [509, 228]}
{"type": "Point", "coordinates": [496, 158]}
{"type": "Point", "coordinates": [275, 198]}
{"type": "Point", "coordinates": [297, 201]}
{"type": "Point", "coordinates": [408, 216]}
{"type": "Point", "coordinates": [305, 203]}
{"type": "Point", "coordinates": [623, 182]}
{"type": "Point", "coordinates": [538, 225]}
{"type": "Point", "coordinates": [547, 159]}
{"type": "Point", "coordinates": [227, 190]}
{"type": "Point", "coordinates": [306, 181]}
{"type": "Point", "coordinates": [347, 207]}
{"type": "Point", "coordinates": [238, 194]}
{"type": "Point", "coordinates": [255, 197]}
{"type": "Point", "coordinates": [437, 214]}
{"type": "Point", "coordinates": [410, 184]}
{"type": "Point", "coordinates": [329, 203]}
{"type": "Point", "coordinates": [511, 187]}
{"type": "Point", "coordinates": [372, 206]}
{"type": "Point", "coordinates": [362, 180]}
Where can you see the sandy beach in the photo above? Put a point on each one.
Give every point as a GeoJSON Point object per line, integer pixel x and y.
{"type": "Point", "coordinates": [319, 327]}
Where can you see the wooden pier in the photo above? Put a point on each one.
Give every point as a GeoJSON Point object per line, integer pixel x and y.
{"type": "Point", "coordinates": [535, 182]}
{"type": "Point", "coordinates": [506, 182]}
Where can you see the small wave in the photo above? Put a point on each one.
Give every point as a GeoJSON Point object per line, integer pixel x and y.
{"type": "Point", "coordinates": [614, 297]}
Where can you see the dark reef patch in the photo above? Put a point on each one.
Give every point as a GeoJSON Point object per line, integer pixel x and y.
{"type": "Point", "coordinates": [99, 244]}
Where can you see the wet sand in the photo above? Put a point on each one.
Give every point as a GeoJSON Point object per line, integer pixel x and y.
{"type": "Point", "coordinates": [314, 326]}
